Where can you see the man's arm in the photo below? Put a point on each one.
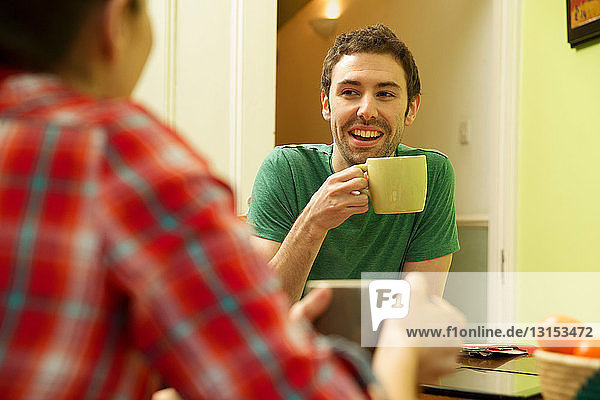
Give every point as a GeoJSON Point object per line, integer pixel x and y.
{"type": "Point", "coordinates": [436, 233]}
{"type": "Point", "coordinates": [293, 259]}
{"type": "Point", "coordinates": [440, 266]}
{"type": "Point", "coordinates": [336, 200]}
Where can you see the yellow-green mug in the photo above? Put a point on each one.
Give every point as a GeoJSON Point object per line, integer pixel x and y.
{"type": "Point", "coordinates": [396, 184]}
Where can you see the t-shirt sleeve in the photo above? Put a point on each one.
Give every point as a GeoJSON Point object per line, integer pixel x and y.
{"type": "Point", "coordinates": [273, 203]}
{"type": "Point", "coordinates": [435, 234]}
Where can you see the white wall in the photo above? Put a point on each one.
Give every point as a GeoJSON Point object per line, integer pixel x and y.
{"type": "Point", "coordinates": [212, 76]}
{"type": "Point", "coordinates": [259, 55]}
{"type": "Point", "coordinates": [452, 42]}
{"type": "Point", "coordinates": [204, 100]}
{"type": "Point", "coordinates": [452, 45]}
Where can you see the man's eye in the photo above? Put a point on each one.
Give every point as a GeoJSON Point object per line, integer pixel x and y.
{"type": "Point", "coordinates": [386, 94]}
{"type": "Point", "coordinates": [349, 92]}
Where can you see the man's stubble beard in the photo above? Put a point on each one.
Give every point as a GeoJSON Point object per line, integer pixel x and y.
{"type": "Point", "coordinates": [388, 149]}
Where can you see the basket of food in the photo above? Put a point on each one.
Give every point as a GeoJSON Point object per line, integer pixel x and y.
{"type": "Point", "coordinates": [566, 376]}
{"type": "Point", "coordinates": [569, 371]}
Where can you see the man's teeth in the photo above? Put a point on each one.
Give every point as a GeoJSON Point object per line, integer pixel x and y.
{"type": "Point", "coordinates": [365, 134]}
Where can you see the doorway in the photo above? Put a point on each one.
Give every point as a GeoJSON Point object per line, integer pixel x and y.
{"type": "Point", "coordinates": [467, 53]}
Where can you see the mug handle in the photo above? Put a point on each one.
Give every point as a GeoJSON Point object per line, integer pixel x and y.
{"type": "Point", "coordinates": [363, 168]}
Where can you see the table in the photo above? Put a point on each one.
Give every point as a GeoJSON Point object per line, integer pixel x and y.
{"type": "Point", "coordinates": [520, 364]}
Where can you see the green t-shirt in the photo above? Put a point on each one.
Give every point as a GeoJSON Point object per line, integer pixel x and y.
{"type": "Point", "coordinates": [368, 242]}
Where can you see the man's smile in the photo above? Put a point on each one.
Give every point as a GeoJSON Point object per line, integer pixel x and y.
{"type": "Point", "coordinates": [364, 134]}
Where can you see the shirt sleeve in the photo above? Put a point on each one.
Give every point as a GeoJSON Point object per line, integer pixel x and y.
{"type": "Point", "coordinates": [435, 234]}
{"type": "Point", "coordinates": [273, 204]}
{"type": "Point", "coordinates": [204, 309]}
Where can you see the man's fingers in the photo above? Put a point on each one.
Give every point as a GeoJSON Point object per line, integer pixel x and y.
{"type": "Point", "coordinates": [349, 185]}
{"type": "Point", "coordinates": [347, 174]}
{"type": "Point", "coordinates": [356, 184]}
{"type": "Point", "coordinates": [353, 171]}
{"type": "Point", "coordinates": [358, 200]}
{"type": "Point", "coordinates": [311, 306]}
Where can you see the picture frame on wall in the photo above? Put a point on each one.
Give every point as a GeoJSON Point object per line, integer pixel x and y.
{"type": "Point", "coordinates": [583, 21]}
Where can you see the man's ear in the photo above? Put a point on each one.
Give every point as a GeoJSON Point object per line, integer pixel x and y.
{"type": "Point", "coordinates": [413, 107]}
{"type": "Point", "coordinates": [114, 25]}
{"type": "Point", "coordinates": [325, 108]}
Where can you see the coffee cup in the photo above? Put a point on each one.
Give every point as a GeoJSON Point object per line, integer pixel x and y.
{"type": "Point", "coordinates": [396, 184]}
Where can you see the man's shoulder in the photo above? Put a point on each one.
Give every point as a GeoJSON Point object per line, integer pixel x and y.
{"type": "Point", "coordinates": [434, 157]}
{"type": "Point", "coordinates": [306, 150]}
{"type": "Point", "coordinates": [294, 154]}
{"type": "Point", "coordinates": [404, 150]}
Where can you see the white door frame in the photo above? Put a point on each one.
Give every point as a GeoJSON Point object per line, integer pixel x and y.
{"type": "Point", "coordinates": [502, 233]}
{"type": "Point", "coordinates": [239, 48]}
{"type": "Point", "coordinates": [253, 66]}
{"type": "Point", "coordinates": [236, 134]}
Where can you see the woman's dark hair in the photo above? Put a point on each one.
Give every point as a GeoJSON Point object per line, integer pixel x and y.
{"type": "Point", "coordinates": [37, 34]}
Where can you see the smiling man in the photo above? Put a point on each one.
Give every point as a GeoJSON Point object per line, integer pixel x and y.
{"type": "Point", "coordinates": [310, 218]}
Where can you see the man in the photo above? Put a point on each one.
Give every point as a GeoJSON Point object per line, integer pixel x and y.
{"type": "Point", "coordinates": [309, 216]}
{"type": "Point", "coordinates": [122, 262]}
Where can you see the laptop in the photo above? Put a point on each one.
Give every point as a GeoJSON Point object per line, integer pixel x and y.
{"type": "Point", "coordinates": [487, 384]}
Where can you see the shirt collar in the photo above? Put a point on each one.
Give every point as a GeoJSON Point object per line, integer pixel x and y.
{"type": "Point", "coordinates": [5, 72]}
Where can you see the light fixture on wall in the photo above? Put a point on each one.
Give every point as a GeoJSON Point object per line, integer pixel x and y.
{"type": "Point", "coordinates": [333, 9]}
{"type": "Point", "coordinates": [324, 27]}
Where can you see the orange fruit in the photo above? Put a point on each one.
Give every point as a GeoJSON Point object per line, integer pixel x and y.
{"type": "Point", "coordinates": [566, 345]}
{"type": "Point", "coordinates": [588, 348]}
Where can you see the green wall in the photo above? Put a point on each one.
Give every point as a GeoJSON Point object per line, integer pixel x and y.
{"type": "Point", "coordinates": [559, 161]}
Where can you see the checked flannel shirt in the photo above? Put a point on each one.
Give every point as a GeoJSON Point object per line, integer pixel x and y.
{"type": "Point", "coordinates": [122, 264]}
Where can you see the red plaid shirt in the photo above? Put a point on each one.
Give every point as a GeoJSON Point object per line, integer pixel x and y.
{"type": "Point", "coordinates": [122, 262]}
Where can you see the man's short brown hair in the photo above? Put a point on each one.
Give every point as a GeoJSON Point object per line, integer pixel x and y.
{"type": "Point", "coordinates": [375, 39]}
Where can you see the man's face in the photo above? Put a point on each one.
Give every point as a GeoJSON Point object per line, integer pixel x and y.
{"type": "Point", "coordinates": [366, 107]}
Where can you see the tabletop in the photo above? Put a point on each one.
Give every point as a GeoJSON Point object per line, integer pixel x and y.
{"type": "Point", "coordinates": [520, 364]}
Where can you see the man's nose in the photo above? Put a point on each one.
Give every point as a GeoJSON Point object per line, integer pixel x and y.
{"type": "Point", "coordinates": [367, 109]}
